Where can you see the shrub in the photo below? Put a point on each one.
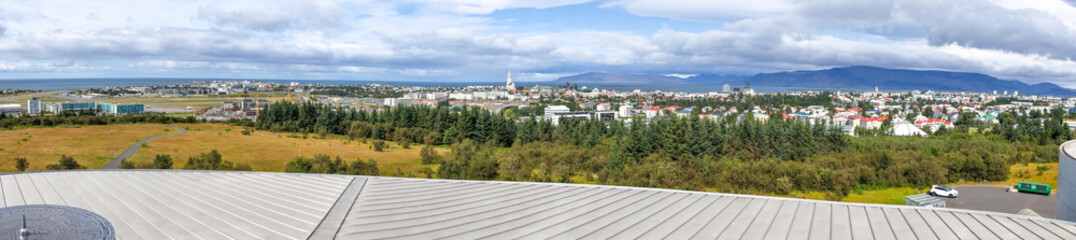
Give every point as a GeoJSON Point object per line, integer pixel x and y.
{"type": "Point", "coordinates": [65, 163]}
{"type": "Point", "coordinates": [162, 161]}
{"type": "Point", "coordinates": [379, 146]}
{"type": "Point", "coordinates": [429, 155]}
{"type": "Point", "coordinates": [21, 164]}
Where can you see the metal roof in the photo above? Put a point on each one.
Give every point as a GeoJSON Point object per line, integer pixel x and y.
{"type": "Point", "coordinates": [243, 205]}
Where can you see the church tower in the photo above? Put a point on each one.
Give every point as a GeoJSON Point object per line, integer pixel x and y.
{"type": "Point", "coordinates": [510, 85]}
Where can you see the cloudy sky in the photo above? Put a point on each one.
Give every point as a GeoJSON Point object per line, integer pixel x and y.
{"type": "Point", "coordinates": [479, 40]}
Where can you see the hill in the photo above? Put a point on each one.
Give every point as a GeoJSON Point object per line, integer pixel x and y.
{"type": "Point", "coordinates": [851, 78]}
{"type": "Point", "coordinates": [621, 78]}
{"type": "Point", "coordinates": [866, 78]}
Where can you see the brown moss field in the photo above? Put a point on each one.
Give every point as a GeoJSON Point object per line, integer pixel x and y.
{"type": "Point", "coordinates": [271, 151]}
{"type": "Point", "coordinates": [89, 145]}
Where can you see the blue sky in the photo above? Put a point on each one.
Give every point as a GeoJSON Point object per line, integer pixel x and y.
{"type": "Point", "coordinates": [468, 40]}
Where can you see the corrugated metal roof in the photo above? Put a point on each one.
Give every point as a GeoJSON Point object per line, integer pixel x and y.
{"type": "Point", "coordinates": [240, 205]}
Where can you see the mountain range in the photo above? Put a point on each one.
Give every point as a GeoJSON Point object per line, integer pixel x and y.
{"type": "Point", "coordinates": [851, 78]}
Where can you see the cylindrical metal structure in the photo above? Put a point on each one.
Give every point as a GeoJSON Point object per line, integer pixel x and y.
{"type": "Point", "coordinates": [1066, 182]}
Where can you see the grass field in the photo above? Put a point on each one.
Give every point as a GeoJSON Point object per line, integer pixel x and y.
{"type": "Point", "coordinates": [89, 145]}
{"type": "Point", "coordinates": [269, 151]}
{"type": "Point", "coordinates": [893, 195]}
{"type": "Point", "coordinates": [1031, 174]}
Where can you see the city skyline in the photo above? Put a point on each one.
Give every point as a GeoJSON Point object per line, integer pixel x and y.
{"type": "Point", "coordinates": [539, 41]}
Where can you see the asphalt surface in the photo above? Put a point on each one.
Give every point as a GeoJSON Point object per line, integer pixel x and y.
{"type": "Point", "coordinates": [996, 199]}
{"type": "Point", "coordinates": [115, 163]}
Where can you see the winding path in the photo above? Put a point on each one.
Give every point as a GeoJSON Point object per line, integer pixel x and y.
{"type": "Point", "coordinates": [115, 163]}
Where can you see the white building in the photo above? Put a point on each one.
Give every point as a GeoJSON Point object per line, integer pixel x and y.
{"type": "Point", "coordinates": [625, 111]}
{"type": "Point", "coordinates": [555, 109]}
{"type": "Point", "coordinates": [907, 129]}
{"type": "Point", "coordinates": [510, 85]}
{"type": "Point", "coordinates": [604, 107]}
{"type": "Point", "coordinates": [437, 96]}
{"type": "Point", "coordinates": [393, 102]}
{"type": "Point", "coordinates": [33, 106]}
{"type": "Point", "coordinates": [11, 108]}
{"type": "Point", "coordinates": [726, 88]}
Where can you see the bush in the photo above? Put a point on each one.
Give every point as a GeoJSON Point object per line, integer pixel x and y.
{"type": "Point", "coordinates": [65, 163]}
{"type": "Point", "coordinates": [162, 161]}
{"type": "Point", "coordinates": [429, 155]}
{"type": "Point", "coordinates": [124, 164]}
{"type": "Point", "coordinates": [21, 164]}
{"type": "Point", "coordinates": [379, 146]}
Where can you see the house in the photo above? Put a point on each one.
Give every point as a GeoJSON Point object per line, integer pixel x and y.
{"type": "Point", "coordinates": [685, 112]}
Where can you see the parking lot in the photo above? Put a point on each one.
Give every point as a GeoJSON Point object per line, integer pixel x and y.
{"type": "Point", "coordinates": [996, 199]}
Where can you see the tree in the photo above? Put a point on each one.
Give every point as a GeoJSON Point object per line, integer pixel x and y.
{"type": "Point", "coordinates": [21, 164]}
{"type": "Point", "coordinates": [429, 155]}
{"type": "Point", "coordinates": [65, 163]}
{"type": "Point", "coordinates": [162, 161]}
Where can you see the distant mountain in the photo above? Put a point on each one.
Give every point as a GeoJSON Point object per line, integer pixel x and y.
{"type": "Point", "coordinates": [620, 78]}
{"type": "Point", "coordinates": [850, 78]}
{"type": "Point", "coordinates": [866, 78]}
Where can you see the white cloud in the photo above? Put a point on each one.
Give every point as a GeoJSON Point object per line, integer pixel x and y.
{"type": "Point", "coordinates": [458, 40]}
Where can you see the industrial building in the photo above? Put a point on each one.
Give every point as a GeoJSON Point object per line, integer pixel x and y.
{"type": "Point", "coordinates": [1066, 182]}
{"type": "Point", "coordinates": [105, 107]}
{"type": "Point", "coordinates": [57, 107]}
{"type": "Point", "coordinates": [120, 108]}
{"type": "Point", "coordinates": [10, 108]}
{"type": "Point", "coordinates": [176, 204]}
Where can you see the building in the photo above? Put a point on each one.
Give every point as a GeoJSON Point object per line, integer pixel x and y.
{"type": "Point", "coordinates": [924, 200]}
{"type": "Point", "coordinates": [907, 129]}
{"type": "Point", "coordinates": [652, 112]}
{"type": "Point", "coordinates": [70, 107]}
{"type": "Point", "coordinates": [33, 106]}
{"type": "Point", "coordinates": [604, 107]}
{"type": "Point", "coordinates": [1066, 182]}
{"type": "Point", "coordinates": [555, 109]}
{"type": "Point", "coordinates": [510, 85]}
{"type": "Point", "coordinates": [395, 102]}
{"type": "Point", "coordinates": [604, 116]}
{"type": "Point", "coordinates": [177, 204]}
{"type": "Point", "coordinates": [624, 111]}
{"type": "Point", "coordinates": [120, 108]}
{"type": "Point", "coordinates": [726, 88]}
{"type": "Point", "coordinates": [10, 108]}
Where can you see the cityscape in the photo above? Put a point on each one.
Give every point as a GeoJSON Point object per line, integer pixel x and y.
{"type": "Point", "coordinates": [618, 119]}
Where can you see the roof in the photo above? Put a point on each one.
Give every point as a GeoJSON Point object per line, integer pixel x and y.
{"type": "Point", "coordinates": [175, 204]}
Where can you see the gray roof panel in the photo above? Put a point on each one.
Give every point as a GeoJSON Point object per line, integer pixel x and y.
{"type": "Point", "coordinates": [163, 204]}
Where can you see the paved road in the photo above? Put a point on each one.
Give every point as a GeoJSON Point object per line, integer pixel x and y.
{"type": "Point", "coordinates": [115, 163]}
{"type": "Point", "coordinates": [996, 199]}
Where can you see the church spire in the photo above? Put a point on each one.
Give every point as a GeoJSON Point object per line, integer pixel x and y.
{"type": "Point", "coordinates": [510, 85]}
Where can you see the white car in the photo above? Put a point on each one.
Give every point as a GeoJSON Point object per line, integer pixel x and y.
{"type": "Point", "coordinates": [941, 190]}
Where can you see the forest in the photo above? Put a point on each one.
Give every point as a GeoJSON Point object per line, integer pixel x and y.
{"type": "Point", "coordinates": [729, 155]}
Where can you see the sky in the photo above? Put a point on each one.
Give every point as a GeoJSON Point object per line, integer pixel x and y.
{"type": "Point", "coordinates": [538, 40]}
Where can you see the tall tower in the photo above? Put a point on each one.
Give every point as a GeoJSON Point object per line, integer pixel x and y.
{"type": "Point", "coordinates": [33, 106]}
{"type": "Point", "coordinates": [510, 85]}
